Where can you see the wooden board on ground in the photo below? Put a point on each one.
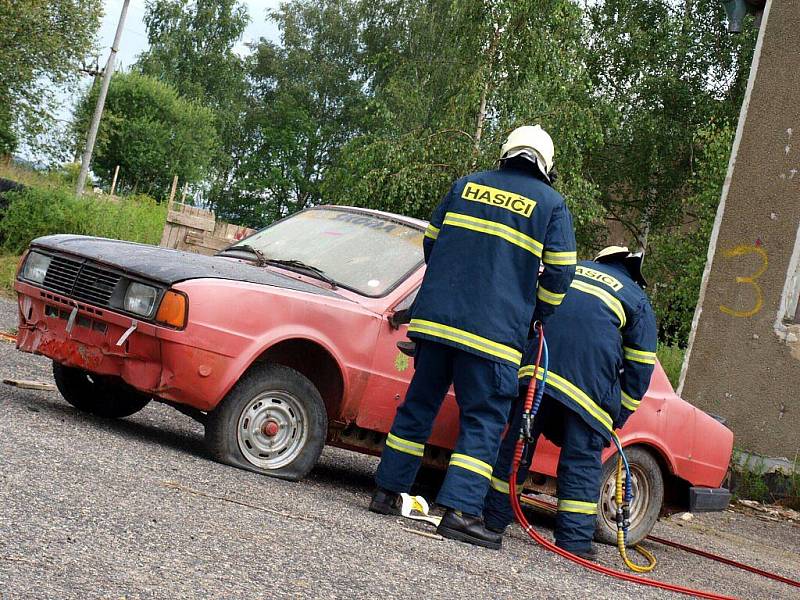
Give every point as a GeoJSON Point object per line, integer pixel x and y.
{"type": "Point", "coordinates": [30, 385]}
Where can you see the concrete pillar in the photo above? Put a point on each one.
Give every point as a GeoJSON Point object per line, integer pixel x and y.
{"type": "Point", "coordinates": [743, 360]}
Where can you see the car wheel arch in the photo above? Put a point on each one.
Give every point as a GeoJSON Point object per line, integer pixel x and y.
{"type": "Point", "coordinates": [313, 360]}
{"type": "Point", "coordinates": [653, 446]}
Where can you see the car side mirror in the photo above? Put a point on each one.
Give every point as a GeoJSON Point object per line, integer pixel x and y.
{"type": "Point", "coordinates": [400, 317]}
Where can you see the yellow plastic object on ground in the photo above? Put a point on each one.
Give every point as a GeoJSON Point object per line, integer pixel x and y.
{"type": "Point", "coordinates": [416, 508]}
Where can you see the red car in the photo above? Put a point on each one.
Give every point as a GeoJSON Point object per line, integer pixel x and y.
{"type": "Point", "coordinates": [286, 341]}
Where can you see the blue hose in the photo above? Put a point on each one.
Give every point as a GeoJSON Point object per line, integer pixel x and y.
{"type": "Point", "coordinates": [628, 489]}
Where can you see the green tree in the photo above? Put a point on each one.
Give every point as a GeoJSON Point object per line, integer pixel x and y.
{"type": "Point", "coordinates": [307, 100]}
{"type": "Point", "coordinates": [151, 133]}
{"type": "Point", "coordinates": [42, 44]}
{"type": "Point", "coordinates": [672, 76]}
{"type": "Point", "coordinates": [192, 48]}
{"type": "Point", "coordinates": [678, 254]}
{"type": "Point", "coordinates": [667, 69]}
{"type": "Point", "coordinates": [449, 81]}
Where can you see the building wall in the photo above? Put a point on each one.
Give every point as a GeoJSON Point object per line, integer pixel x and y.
{"type": "Point", "coordinates": [743, 360]}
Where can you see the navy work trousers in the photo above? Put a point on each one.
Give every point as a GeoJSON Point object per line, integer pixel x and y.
{"type": "Point", "coordinates": [484, 390]}
{"type": "Point", "coordinates": [579, 472]}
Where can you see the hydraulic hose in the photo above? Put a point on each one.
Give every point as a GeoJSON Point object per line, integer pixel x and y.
{"type": "Point", "coordinates": [550, 507]}
{"type": "Point", "coordinates": [522, 442]}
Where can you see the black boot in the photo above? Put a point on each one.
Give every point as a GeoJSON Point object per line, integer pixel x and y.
{"type": "Point", "coordinates": [589, 554]}
{"type": "Point", "coordinates": [386, 502]}
{"type": "Point", "coordinates": [456, 525]}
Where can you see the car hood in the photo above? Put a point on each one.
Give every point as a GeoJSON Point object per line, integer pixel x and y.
{"type": "Point", "coordinates": [169, 266]}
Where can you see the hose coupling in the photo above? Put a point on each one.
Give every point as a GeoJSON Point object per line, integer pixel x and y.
{"type": "Point", "coordinates": [527, 426]}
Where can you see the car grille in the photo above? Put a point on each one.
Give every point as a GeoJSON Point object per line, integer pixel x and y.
{"type": "Point", "coordinates": [81, 281]}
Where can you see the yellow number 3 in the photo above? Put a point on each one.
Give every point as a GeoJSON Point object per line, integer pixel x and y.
{"type": "Point", "coordinates": [743, 251]}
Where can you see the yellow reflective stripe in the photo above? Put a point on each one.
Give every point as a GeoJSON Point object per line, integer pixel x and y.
{"type": "Point", "coordinates": [500, 485]}
{"type": "Point", "coordinates": [546, 295]}
{"type": "Point", "coordinates": [559, 258]}
{"type": "Point", "coordinates": [407, 446]}
{"type": "Point", "coordinates": [614, 304]}
{"type": "Point", "coordinates": [471, 464]}
{"type": "Point", "coordinates": [432, 232]}
{"type": "Point", "coordinates": [465, 337]}
{"type": "Point", "coordinates": [642, 356]}
{"type": "Point", "coordinates": [630, 402]}
{"type": "Point", "coordinates": [574, 392]}
{"type": "Point", "coordinates": [577, 506]}
{"type": "Point", "coordinates": [505, 232]}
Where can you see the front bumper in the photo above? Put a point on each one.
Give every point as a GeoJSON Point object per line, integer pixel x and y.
{"type": "Point", "coordinates": [155, 360]}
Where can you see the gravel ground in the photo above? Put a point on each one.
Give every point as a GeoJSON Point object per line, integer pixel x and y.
{"type": "Point", "coordinates": [134, 509]}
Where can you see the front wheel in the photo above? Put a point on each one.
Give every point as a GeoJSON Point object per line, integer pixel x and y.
{"type": "Point", "coordinates": [647, 484]}
{"type": "Point", "coordinates": [273, 422]}
{"type": "Point", "coordinates": [100, 395]}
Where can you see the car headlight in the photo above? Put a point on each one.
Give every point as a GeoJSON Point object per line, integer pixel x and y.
{"type": "Point", "coordinates": [140, 299]}
{"type": "Point", "coordinates": [35, 267]}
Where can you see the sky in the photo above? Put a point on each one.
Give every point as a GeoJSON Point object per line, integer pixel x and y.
{"type": "Point", "coordinates": [134, 33]}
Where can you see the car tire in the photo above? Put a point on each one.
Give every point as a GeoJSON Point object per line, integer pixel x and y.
{"type": "Point", "coordinates": [99, 395]}
{"type": "Point", "coordinates": [648, 489]}
{"type": "Point", "coordinates": [272, 422]}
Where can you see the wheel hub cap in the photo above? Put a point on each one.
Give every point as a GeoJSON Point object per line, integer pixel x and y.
{"type": "Point", "coordinates": [272, 429]}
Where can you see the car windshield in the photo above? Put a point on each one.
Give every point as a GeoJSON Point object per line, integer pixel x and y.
{"type": "Point", "coordinates": [367, 253]}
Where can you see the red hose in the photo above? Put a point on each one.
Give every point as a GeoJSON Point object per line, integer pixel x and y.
{"type": "Point", "coordinates": [726, 561]}
{"type": "Point", "coordinates": [549, 506]}
{"type": "Point", "coordinates": [512, 485]}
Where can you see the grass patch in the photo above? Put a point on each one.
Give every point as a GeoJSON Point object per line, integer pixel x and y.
{"type": "Point", "coordinates": [39, 211]}
{"type": "Point", "coordinates": [671, 358]}
{"type": "Point", "coordinates": [752, 484]}
{"type": "Point", "coordinates": [8, 268]}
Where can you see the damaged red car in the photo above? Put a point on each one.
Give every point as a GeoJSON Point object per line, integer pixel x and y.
{"type": "Point", "coordinates": [286, 341]}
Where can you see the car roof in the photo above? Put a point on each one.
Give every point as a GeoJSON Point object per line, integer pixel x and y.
{"type": "Point", "coordinates": [417, 223]}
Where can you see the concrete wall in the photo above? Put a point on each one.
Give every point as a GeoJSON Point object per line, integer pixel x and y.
{"type": "Point", "coordinates": [743, 361]}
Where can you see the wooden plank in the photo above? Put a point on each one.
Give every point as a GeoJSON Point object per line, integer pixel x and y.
{"type": "Point", "coordinates": [30, 385]}
{"type": "Point", "coordinates": [196, 222]}
{"type": "Point", "coordinates": [175, 235]}
{"type": "Point", "coordinates": [165, 236]}
{"type": "Point", "coordinates": [207, 242]}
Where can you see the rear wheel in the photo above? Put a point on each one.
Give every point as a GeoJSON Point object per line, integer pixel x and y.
{"type": "Point", "coordinates": [273, 422]}
{"type": "Point", "coordinates": [647, 484]}
{"type": "Point", "coordinates": [100, 395]}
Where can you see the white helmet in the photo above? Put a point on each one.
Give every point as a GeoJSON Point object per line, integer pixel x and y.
{"type": "Point", "coordinates": [533, 143]}
{"type": "Point", "coordinates": [632, 260]}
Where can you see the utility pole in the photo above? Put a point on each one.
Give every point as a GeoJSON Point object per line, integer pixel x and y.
{"type": "Point", "coordinates": [101, 100]}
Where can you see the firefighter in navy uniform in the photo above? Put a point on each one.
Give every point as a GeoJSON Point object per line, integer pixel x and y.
{"type": "Point", "coordinates": [470, 321]}
{"type": "Point", "coordinates": [602, 344]}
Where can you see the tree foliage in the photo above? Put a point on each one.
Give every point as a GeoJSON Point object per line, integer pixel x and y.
{"type": "Point", "coordinates": [449, 81]}
{"type": "Point", "coordinates": [678, 254]}
{"type": "Point", "coordinates": [666, 69]}
{"type": "Point", "coordinates": [151, 133]}
{"type": "Point", "coordinates": [42, 45]}
{"type": "Point", "coordinates": [307, 100]}
{"type": "Point", "coordinates": [192, 48]}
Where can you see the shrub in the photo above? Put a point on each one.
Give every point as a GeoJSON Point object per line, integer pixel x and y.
{"type": "Point", "coordinates": [36, 212]}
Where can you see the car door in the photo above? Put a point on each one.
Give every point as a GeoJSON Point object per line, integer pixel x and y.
{"type": "Point", "coordinates": [389, 377]}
